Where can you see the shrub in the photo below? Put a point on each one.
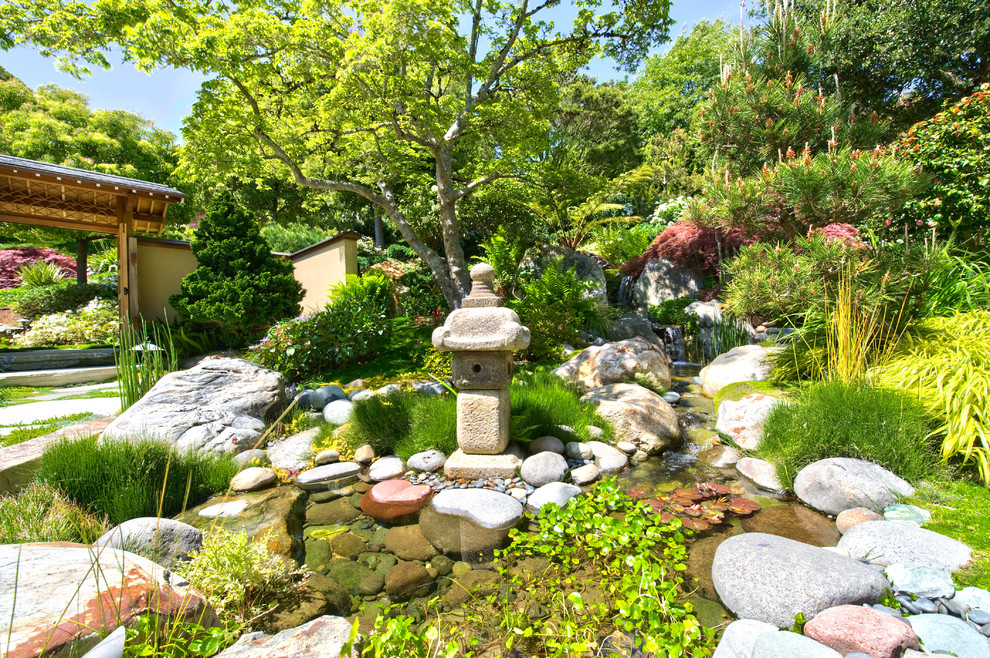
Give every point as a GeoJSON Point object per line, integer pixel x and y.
{"type": "Point", "coordinates": [291, 238]}
{"type": "Point", "coordinates": [671, 312]}
{"type": "Point", "coordinates": [241, 577]}
{"type": "Point", "coordinates": [618, 244]}
{"type": "Point", "coordinates": [541, 403]}
{"type": "Point", "coordinates": [438, 364]}
{"type": "Point", "coordinates": [688, 244]}
{"type": "Point", "coordinates": [39, 274]}
{"type": "Point", "coordinates": [556, 309]}
{"type": "Point", "coordinates": [505, 254]}
{"type": "Point", "coordinates": [945, 362]}
{"type": "Point", "coordinates": [65, 296]}
{"type": "Point", "coordinates": [42, 513]}
{"type": "Point", "coordinates": [125, 479]}
{"type": "Point", "coordinates": [833, 419]}
{"type": "Point", "coordinates": [12, 260]}
{"type": "Point", "coordinates": [420, 296]}
{"type": "Point", "coordinates": [95, 323]}
{"type": "Point", "coordinates": [240, 288]}
{"type": "Point", "coordinates": [354, 327]}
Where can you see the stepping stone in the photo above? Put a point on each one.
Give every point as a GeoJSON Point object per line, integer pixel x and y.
{"type": "Point", "coordinates": [322, 478]}
{"type": "Point", "coordinates": [470, 523]}
{"type": "Point", "coordinates": [254, 479]}
{"type": "Point", "coordinates": [394, 499]}
{"type": "Point", "coordinates": [327, 457]}
{"type": "Point", "coordinates": [292, 453]}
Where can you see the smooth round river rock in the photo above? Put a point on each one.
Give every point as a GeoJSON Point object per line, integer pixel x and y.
{"type": "Point", "coordinates": [469, 523]}
{"type": "Point", "coordinates": [543, 468]}
{"type": "Point", "coordinates": [840, 483]}
{"type": "Point", "coordinates": [886, 543]}
{"type": "Point", "coordinates": [771, 579]}
{"type": "Point", "coordinates": [322, 478]}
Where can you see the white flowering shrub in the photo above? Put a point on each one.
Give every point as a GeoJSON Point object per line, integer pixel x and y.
{"type": "Point", "coordinates": [241, 577]}
{"type": "Point", "coordinates": [96, 322]}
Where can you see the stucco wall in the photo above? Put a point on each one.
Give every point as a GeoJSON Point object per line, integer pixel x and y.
{"type": "Point", "coordinates": [320, 266]}
{"type": "Point", "coordinates": [162, 264]}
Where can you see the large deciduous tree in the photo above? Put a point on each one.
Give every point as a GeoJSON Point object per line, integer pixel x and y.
{"type": "Point", "coordinates": [411, 104]}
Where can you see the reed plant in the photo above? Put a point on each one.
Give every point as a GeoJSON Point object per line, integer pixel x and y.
{"type": "Point", "coordinates": [143, 358]}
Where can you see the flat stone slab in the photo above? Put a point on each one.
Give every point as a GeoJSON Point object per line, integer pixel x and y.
{"type": "Point", "coordinates": [19, 462]}
{"type": "Point", "coordinates": [461, 466]}
{"type": "Point", "coordinates": [886, 543]}
{"type": "Point", "coordinates": [556, 493]}
{"type": "Point", "coordinates": [322, 478]}
{"type": "Point", "coordinates": [395, 499]}
{"type": "Point", "coordinates": [59, 376]}
{"type": "Point", "coordinates": [292, 453]}
{"type": "Point", "coordinates": [488, 509]}
{"type": "Point", "coordinates": [224, 510]}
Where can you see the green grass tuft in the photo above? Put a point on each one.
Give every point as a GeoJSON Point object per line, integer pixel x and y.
{"type": "Point", "coordinates": [42, 513]}
{"type": "Point", "coordinates": [124, 480]}
{"type": "Point", "coordinates": [832, 419]}
{"type": "Point", "coordinates": [739, 390]}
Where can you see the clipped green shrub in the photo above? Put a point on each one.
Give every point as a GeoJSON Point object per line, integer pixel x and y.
{"type": "Point", "coordinates": [64, 296]}
{"type": "Point", "coordinates": [293, 237]}
{"type": "Point", "coordinates": [354, 327]}
{"type": "Point", "coordinates": [832, 419]}
{"type": "Point", "coordinates": [128, 479]}
{"type": "Point", "coordinates": [42, 513]}
{"type": "Point", "coordinates": [240, 288]}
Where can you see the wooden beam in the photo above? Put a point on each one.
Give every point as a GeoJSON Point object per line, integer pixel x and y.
{"type": "Point", "coordinates": [17, 218]}
{"type": "Point", "coordinates": [42, 200]}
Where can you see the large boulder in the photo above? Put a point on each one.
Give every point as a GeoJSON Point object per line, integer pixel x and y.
{"type": "Point", "coordinates": [323, 637]}
{"type": "Point", "coordinates": [638, 415]}
{"type": "Point", "coordinates": [634, 325]}
{"type": "Point", "coordinates": [273, 515]}
{"type": "Point", "coordinates": [852, 628]}
{"type": "Point", "coordinates": [662, 280]}
{"type": "Point", "coordinates": [836, 484]}
{"type": "Point", "coordinates": [68, 596]}
{"type": "Point", "coordinates": [586, 267]}
{"type": "Point", "coordinates": [888, 542]}
{"type": "Point", "coordinates": [163, 541]}
{"type": "Point", "coordinates": [742, 421]}
{"type": "Point", "coordinates": [614, 363]}
{"type": "Point", "coordinates": [771, 579]}
{"type": "Point", "coordinates": [949, 636]}
{"type": "Point", "coordinates": [746, 363]}
{"type": "Point", "coordinates": [220, 405]}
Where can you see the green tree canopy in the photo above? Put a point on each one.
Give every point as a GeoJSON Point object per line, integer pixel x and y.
{"type": "Point", "coordinates": [412, 105]}
{"type": "Point", "coordinates": [240, 288]}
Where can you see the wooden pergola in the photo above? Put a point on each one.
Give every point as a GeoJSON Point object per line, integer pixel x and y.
{"type": "Point", "coordinates": [43, 194]}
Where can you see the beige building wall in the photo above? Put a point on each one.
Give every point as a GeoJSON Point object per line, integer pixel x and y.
{"type": "Point", "coordinates": [161, 266]}
{"type": "Point", "coordinates": [324, 264]}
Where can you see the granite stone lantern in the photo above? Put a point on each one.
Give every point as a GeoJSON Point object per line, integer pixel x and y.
{"type": "Point", "coordinates": [482, 335]}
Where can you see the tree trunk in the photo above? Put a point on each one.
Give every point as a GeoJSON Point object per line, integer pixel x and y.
{"type": "Point", "coordinates": [446, 195]}
{"type": "Point", "coordinates": [379, 230]}
{"type": "Point", "coordinates": [82, 258]}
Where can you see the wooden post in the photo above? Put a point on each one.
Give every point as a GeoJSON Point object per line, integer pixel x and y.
{"type": "Point", "coordinates": [126, 287]}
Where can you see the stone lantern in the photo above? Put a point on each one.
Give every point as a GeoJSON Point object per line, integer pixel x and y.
{"type": "Point", "coordinates": [482, 335]}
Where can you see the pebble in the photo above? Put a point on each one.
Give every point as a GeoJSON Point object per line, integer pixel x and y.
{"type": "Point", "coordinates": [980, 617]}
{"type": "Point", "coordinates": [908, 604]}
{"type": "Point", "coordinates": [986, 630]}
{"type": "Point", "coordinates": [956, 608]}
{"type": "Point", "coordinates": [926, 605]}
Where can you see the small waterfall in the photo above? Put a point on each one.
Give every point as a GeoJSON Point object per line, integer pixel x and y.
{"type": "Point", "coordinates": [625, 290]}
{"type": "Point", "coordinates": [673, 338]}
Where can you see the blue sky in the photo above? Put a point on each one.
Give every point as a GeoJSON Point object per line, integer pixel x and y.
{"type": "Point", "coordinates": [167, 95]}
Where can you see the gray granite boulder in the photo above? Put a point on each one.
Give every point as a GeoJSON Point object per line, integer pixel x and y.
{"type": "Point", "coordinates": [947, 634]}
{"type": "Point", "coordinates": [618, 362]}
{"type": "Point", "coordinates": [221, 405]}
{"type": "Point", "coordinates": [543, 468]}
{"type": "Point", "coordinates": [739, 638]}
{"type": "Point", "coordinates": [746, 363]}
{"type": "Point", "coordinates": [771, 579]}
{"type": "Point", "coordinates": [887, 542]}
{"type": "Point", "coordinates": [164, 541]}
{"type": "Point", "coordinates": [585, 267]}
{"type": "Point", "coordinates": [633, 325]}
{"type": "Point", "coordinates": [742, 420]}
{"type": "Point", "coordinates": [839, 483]}
{"type": "Point", "coordinates": [662, 280]}
{"type": "Point", "coordinates": [638, 415]}
{"type": "Point", "coordinates": [784, 644]}
{"type": "Point", "coordinates": [324, 637]}
{"type": "Point", "coordinates": [293, 452]}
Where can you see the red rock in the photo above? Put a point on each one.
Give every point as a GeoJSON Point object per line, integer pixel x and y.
{"type": "Point", "coordinates": [850, 517]}
{"type": "Point", "coordinates": [393, 499]}
{"type": "Point", "coordinates": [851, 628]}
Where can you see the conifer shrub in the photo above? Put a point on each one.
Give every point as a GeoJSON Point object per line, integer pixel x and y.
{"type": "Point", "coordinates": [240, 288]}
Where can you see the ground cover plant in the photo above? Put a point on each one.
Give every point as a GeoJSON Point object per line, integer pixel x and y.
{"type": "Point", "coordinates": [63, 296]}
{"type": "Point", "coordinates": [129, 479]}
{"type": "Point", "coordinates": [42, 513]}
{"type": "Point", "coordinates": [856, 419]}
{"type": "Point", "coordinates": [97, 323]}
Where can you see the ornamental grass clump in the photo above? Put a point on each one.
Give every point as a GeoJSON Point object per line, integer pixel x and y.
{"type": "Point", "coordinates": [855, 419]}
{"type": "Point", "coordinates": [945, 364]}
{"type": "Point", "coordinates": [125, 480]}
{"type": "Point", "coordinates": [42, 513]}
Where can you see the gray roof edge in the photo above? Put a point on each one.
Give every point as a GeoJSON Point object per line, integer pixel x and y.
{"type": "Point", "coordinates": [47, 168]}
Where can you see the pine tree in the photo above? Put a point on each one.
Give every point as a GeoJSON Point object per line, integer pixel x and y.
{"type": "Point", "coordinates": [240, 288]}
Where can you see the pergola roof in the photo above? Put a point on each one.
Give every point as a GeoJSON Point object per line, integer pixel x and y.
{"type": "Point", "coordinates": [43, 194]}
